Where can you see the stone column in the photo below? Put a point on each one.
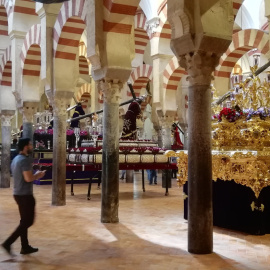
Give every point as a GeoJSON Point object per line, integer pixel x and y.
{"type": "Point", "coordinates": [60, 102]}
{"type": "Point", "coordinates": [166, 125]}
{"type": "Point", "coordinates": [28, 111]}
{"type": "Point", "coordinates": [6, 117]}
{"type": "Point", "coordinates": [200, 66]}
{"type": "Point", "coordinates": [110, 156]}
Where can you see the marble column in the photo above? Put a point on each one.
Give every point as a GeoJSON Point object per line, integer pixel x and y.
{"type": "Point", "coordinates": [28, 111]}
{"type": "Point", "coordinates": [200, 66]}
{"type": "Point", "coordinates": [6, 117]}
{"type": "Point", "coordinates": [60, 102]}
{"type": "Point", "coordinates": [110, 153]}
{"type": "Point", "coordinates": [166, 125]}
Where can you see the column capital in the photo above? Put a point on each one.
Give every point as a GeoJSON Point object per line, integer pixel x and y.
{"type": "Point", "coordinates": [199, 66]}
{"type": "Point", "coordinates": [152, 25]}
{"type": "Point", "coordinates": [60, 101]}
{"type": "Point", "coordinates": [50, 12]}
{"type": "Point", "coordinates": [6, 117]}
{"type": "Point", "coordinates": [111, 90]}
{"type": "Point", "coordinates": [28, 110]}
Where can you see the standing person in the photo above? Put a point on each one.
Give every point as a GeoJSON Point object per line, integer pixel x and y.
{"type": "Point", "coordinates": [123, 174]}
{"type": "Point", "coordinates": [153, 177]}
{"type": "Point", "coordinates": [23, 176]}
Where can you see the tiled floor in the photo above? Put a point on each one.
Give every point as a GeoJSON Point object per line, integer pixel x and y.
{"type": "Point", "coordinates": [152, 234]}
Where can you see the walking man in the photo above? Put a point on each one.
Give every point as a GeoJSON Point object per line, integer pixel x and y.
{"type": "Point", "coordinates": [23, 176]}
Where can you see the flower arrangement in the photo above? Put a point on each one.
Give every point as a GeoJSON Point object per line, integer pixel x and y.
{"type": "Point", "coordinates": [40, 145]}
{"type": "Point", "coordinates": [230, 114]}
{"type": "Point", "coordinates": [50, 131]}
{"type": "Point", "coordinates": [261, 112]}
{"type": "Point", "coordinates": [233, 114]}
{"type": "Point", "coordinates": [70, 132]}
{"type": "Point", "coordinates": [83, 133]}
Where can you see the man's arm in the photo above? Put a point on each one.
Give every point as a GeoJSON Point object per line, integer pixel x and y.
{"type": "Point", "coordinates": [30, 177]}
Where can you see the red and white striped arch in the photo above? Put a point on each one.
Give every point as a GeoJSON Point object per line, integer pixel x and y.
{"type": "Point", "coordinates": [140, 33]}
{"type": "Point", "coordinates": [5, 68]}
{"type": "Point", "coordinates": [236, 6]}
{"type": "Point", "coordinates": [86, 101]}
{"type": "Point", "coordinates": [85, 88]}
{"type": "Point", "coordinates": [84, 94]}
{"type": "Point", "coordinates": [68, 29]}
{"type": "Point", "coordinates": [27, 7]}
{"type": "Point", "coordinates": [172, 75]}
{"type": "Point", "coordinates": [243, 41]}
{"type": "Point", "coordinates": [119, 15]}
{"type": "Point", "coordinates": [139, 78]}
{"type": "Point", "coordinates": [3, 19]}
{"type": "Point", "coordinates": [83, 61]}
{"type": "Point", "coordinates": [31, 52]}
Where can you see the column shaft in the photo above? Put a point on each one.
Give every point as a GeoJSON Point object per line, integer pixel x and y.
{"type": "Point", "coordinates": [5, 156]}
{"type": "Point", "coordinates": [110, 153]}
{"type": "Point", "coordinates": [59, 160]}
{"type": "Point", "coordinates": [200, 215]}
{"type": "Point", "coordinates": [166, 124]}
{"type": "Point", "coordinates": [28, 131]}
{"type": "Point", "coordinates": [110, 164]}
{"type": "Point", "coordinates": [61, 99]}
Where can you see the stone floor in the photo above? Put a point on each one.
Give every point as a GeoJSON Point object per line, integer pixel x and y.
{"type": "Point", "coordinates": [152, 234]}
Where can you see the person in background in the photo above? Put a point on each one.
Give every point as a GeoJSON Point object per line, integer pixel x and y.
{"type": "Point", "coordinates": [123, 174]}
{"type": "Point", "coordinates": [78, 112]}
{"type": "Point", "coordinates": [23, 176]}
{"type": "Point", "coordinates": [153, 177]}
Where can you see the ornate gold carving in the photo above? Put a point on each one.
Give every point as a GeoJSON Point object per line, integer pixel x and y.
{"type": "Point", "coordinates": [251, 169]}
{"type": "Point", "coordinates": [258, 208]}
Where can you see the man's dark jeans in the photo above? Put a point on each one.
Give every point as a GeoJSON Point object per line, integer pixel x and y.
{"type": "Point", "coordinates": [26, 204]}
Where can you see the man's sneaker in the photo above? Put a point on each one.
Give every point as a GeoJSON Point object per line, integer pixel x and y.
{"type": "Point", "coordinates": [7, 249]}
{"type": "Point", "coordinates": [28, 250]}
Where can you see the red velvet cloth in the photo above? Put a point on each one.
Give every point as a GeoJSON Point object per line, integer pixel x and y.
{"type": "Point", "coordinates": [122, 166]}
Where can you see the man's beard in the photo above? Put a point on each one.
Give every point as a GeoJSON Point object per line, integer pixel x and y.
{"type": "Point", "coordinates": [29, 151]}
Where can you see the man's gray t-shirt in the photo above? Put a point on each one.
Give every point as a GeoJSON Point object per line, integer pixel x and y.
{"type": "Point", "coordinates": [20, 164]}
